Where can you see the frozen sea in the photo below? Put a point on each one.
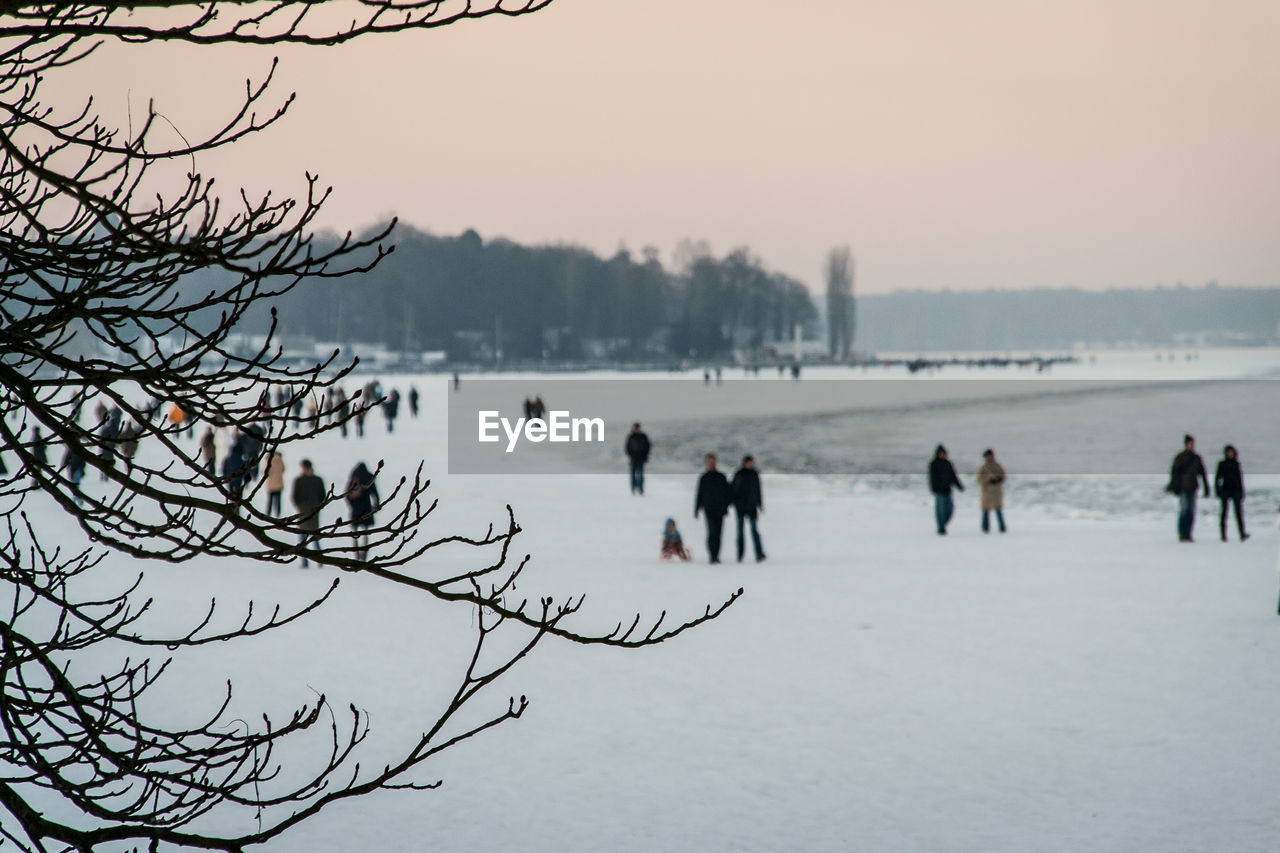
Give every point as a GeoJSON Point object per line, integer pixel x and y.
{"type": "Point", "coordinates": [1084, 682]}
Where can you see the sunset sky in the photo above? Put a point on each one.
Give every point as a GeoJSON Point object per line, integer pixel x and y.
{"type": "Point", "coordinates": [995, 143]}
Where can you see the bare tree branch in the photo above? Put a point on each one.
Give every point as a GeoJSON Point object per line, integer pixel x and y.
{"type": "Point", "coordinates": [102, 326]}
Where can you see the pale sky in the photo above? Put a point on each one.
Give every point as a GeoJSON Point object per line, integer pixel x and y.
{"type": "Point", "coordinates": [1002, 143]}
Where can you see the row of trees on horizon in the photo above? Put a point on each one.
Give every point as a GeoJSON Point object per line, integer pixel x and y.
{"type": "Point", "coordinates": [466, 296]}
{"type": "Point", "coordinates": [470, 297]}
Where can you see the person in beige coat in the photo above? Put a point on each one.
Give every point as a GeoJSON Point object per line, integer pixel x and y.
{"type": "Point", "coordinates": [991, 483]}
{"type": "Point", "coordinates": [275, 483]}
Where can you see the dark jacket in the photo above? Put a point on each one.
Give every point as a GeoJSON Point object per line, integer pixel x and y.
{"type": "Point", "coordinates": [1228, 481]}
{"type": "Point", "coordinates": [362, 496]}
{"type": "Point", "coordinates": [714, 495]}
{"type": "Point", "coordinates": [40, 450]}
{"type": "Point", "coordinates": [233, 468]}
{"type": "Point", "coordinates": [308, 497]}
{"type": "Point", "coordinates": [638, 447]}
{"type": "Point", "coordinates": [747, 496]}
{"type": "Point", "coordinates": [942, 476]}
{"type": "Point", "coordinates": [251, 439]}
{"type": "Point", "coordinates": [1186, 472]}
{"type": "Point", "coordinates": [73, 463]}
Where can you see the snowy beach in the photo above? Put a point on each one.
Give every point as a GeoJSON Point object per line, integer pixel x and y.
{"type": "Point", "coordinates": [1085, 682]}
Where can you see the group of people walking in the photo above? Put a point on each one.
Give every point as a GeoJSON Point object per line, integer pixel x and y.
{"type": "Point", "coordinates": [714, 497]}
{"type": "Point", "coordinates": [943, 478]}
{"type": "Point", "coordinates": [1188, 472]}
{"type": "Point", "coordinates": [716, 494]}
{"type": "Point", "coordinates": [310, 494]}
{"type": "Point", "coordinates": [237, 457]}
{"type": "Point", "coordinates": [335, 406]}
{"type": "Point", "coordinates": [1186, 476]}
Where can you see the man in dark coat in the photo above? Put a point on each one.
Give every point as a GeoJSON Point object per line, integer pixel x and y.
{"type": "Point", "coordinates": [1185, 476]}
{"type": "Point", "coordinates": [39, 447]}
{"type": "Point", "coordinates": [391, 409]}
{"type": "Point", "coordinates": [1228, 483]}
{"type": "Point", "coordinates": [637, 448]}
{"type": "Point", "coordinates": [714, 497]}
{"type": "Point", "coordinates": [110, 432]}
{"type": "Point", "coordinates": [942, 478]}
{"type": "Point", "coordinates": [413, 400]}
{"type": "Point", "coordinates": [308, 496]}
{"type": "Point", "coordinates": [234, 469]}
{"type": "Point", "coordinates": [73, 463]}
{"type": "Point", "coordinates": [748, 501]}
{"type": "Point", "coordinates": [251, 438]}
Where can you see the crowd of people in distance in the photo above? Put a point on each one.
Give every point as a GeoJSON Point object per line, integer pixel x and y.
{"type": "Point", "coordinates": [236, 456]}
{"type": "Point", "coordinates": [335, 406]}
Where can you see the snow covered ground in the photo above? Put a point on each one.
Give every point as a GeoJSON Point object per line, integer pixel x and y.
{"type": "Point", "coordinates": [1084, 682]}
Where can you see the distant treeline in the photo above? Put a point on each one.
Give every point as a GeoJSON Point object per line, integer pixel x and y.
{"type": "Point", "coordinates": [465, 296]}
{"type": "Point", "coordinates": [919, 321]}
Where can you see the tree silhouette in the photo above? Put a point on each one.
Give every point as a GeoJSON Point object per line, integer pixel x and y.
{"type": "Point", "coordinates": [100, 328]}
{"type": "Point", "coordinates": [840, 317]}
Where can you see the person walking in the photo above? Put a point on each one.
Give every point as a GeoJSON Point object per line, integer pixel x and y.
{"type": "Point", "coordinates": [252, 441]}
{"type": "Point", "coordinates": [713, 499]}
{"type": "Point", "coordinates": [39, 447]}
{"type": "Point", "coordinates": [73, 463]}
{"type": "Point", "coordinates": [233, 470]}
{"type": "Point", "coordinates": [130, 435]}
{"type": "Point", "coordinates": [942, 478]}
{"type": "Point", "coordinates": [363, 502]}
{"type": "Point", "coordinates": [343, 408]}
{"type": "Point", "coordinates": [110, 433]}
{"type": "Point", "coordinates": [637, 447]}
{"type": "Point", "coordinates": [413, 401]}
{"type": "Point", "coordinates": [748, 502]}
{"type": "Point", "coordinates": [1228, 484]}
{"type": "Point", "coordinates": [391, 409]}
{"type": "Point", "coordinates": [208, 450]}
{"type": "Point", "coordinates": [991, 488]}
{"type": "Point", "coordinates": [1184, 479]}
{"type": "Point", "coordinates": [275, 483]}
{"type": "Point", "coordinates": [308, 497]}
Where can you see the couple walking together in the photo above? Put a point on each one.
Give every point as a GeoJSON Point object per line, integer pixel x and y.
{"type": "Point", "coordinates": [716, 494]}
